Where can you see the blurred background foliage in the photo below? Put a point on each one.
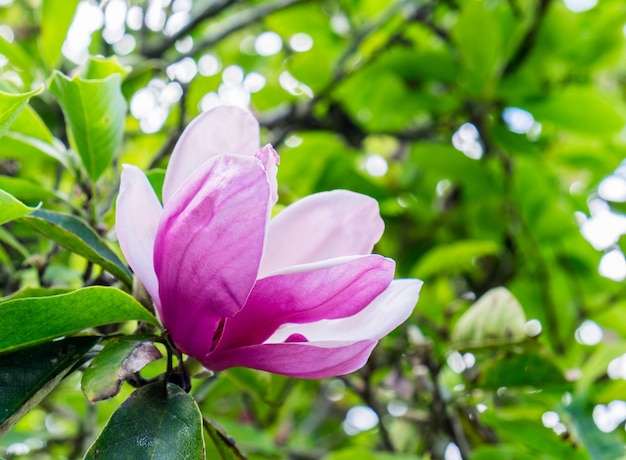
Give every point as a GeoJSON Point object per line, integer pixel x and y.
{"type": "Point", "coordinates": [490, 131]}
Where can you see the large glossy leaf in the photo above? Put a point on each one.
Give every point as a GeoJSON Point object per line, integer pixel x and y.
{"type": "Point", "coordinates": [95, 111]}
{"type": "Point", "coordinates": [496, 318]}
{"type": "Point", "coordinates": [119, 359]}
{"type": "Point", "coordinates": [56, 17]}
{"type": "Point", "coordinates": [11, 208]}
{"type": "Point", "coordinates": [29, 321]}
{"type": "Point", "coordinates": [28, 375]}
{"type": "Point", "coordinates": [76, 236]}
{"type": "Point", "coordinates": [11, 105]}
{"type": "Point", "coordinates": [155, 422]}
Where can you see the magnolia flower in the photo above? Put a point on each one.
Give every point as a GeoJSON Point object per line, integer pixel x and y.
{"type": "Point", "coordinates": [299, 294]}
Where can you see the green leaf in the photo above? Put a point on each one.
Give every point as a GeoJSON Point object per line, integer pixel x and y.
{"type": "Point", "coordinates": [501, 452]}
{"type": "Point", "coordinates": [521, 370]}
{"type": "Point", "coordinates": [76, 236]}
{"type": "Point", "coordinates": [98, 67]}
{"type": "Point", "coordinates": [11, 105]}
{"type": "Point", "coordinates": [29, 321]}
{"type": "Point", "coordinates": [119, 359]}
{"type": "Point", "coordinates": [95, 111]}
{"type": "Point", "coordinates": [56, 17]}
{"type": "Point", "coordinates": [599, 445]}
{"type": "Point", "coordinates": [579, 109]}
{"type": "Point", "coordinates": [481, 54]}
{"type": "Point", "coordinates": [496, 318]}
{"type": "Point", "coordinates": [11, 208]}
{"type": "Point", "coordinates": [28, 375]}
{"type": "Point", "coordinates": [455, 257]}
{"type": "Point", "coordinates": [24, 189]}
{"type": "Point", "coordinates": [224, 445]}
{"type": "Point", "coordinates": [19, 58]}
{"type": "Point", "coordinates": [518, 430]}
{"type": "Point", "coordinates": [156, 421]}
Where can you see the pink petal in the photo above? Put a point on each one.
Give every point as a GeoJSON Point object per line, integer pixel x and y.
{"type": "Point", "coordinates": [137, 217]}
{"type": "Point", "coordinates": [322, 226]}
{"type": "Point", "coordinates": [208, 246]}
{"type": "Point", "coordinates": [270, 159]}
{"type": "Point", "coordinates": [379, 318]}
{"type": "Point", "coordinates": [222, 130]}
{"type": "Point", "coordinates": [333, 289]}
{"type": "Point", "coordinates": [303, 360]}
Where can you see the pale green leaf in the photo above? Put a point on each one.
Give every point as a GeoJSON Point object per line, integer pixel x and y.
{"type": "Point", "coordinates": [95, 111]}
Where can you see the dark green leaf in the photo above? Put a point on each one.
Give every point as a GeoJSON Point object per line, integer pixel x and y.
{"type": "Point", "coordinates": [28, 375]}
{"type": "Point", "coordinates": [26, 322]}
{"type": "Point", "coordinates": [76, 236]}
{"type": "Point", "coordinates": [154, 422]}
{"type": "Point", "coordinates": [95, 111]}
{"type": "Point", "coordinates": [119, 359]}
{"type": "Point", "coordinates": [521, 370]}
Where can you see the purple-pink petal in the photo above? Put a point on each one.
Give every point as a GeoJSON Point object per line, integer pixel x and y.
{"type": "Point", "coordinates": [208, 247]}
{"type": "Point", "coordinates": [322, 226]}
{"type": "Point", "coordinates": [303, 360]}
{"type": "Point", "coordinates": [222, 130]}
{"type": "Point", "coordinates": [386, 312]}
{"type": "Point", "coordinates": [337, 288]}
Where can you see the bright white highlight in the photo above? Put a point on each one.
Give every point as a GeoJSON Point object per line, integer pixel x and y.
{"type": "Point", "coordinates": [268, 44]}
{"type": "Point", "coordinates": [617, 368]}
{"type": "Point", "coordinates": [467, 140]}
{"type": "Point", "coordinates": [518, 120]}
{"type": "Point", "coordinates": [613, 188]}
{"type": "Point", "coordinates": [613, 265]}
{"type": "Point", "coordinates": [580, 6]}
{"type": "Point", "coordinates": [532, 328]}
{"type": "Point", "coordinates": [452, 452]}
{"type": "Point", "coordinates": [550, 419]}
{"type": "Point", "coordinates": [589, 333]}
{"type": "Point", "coordinates": [301, 42]}
{"type": "Point", "coordinates": [208, 65]}
{"type": "Point", "coordinates": [184, 70]}
{"type": "Point", "coordinates": [87, 20]}
{"type": "Point", "coordinates": [376, 165]}
{"type": "Point", "coordinates": [293, 86]}
{"type": "Point", "coordinates": [611, 416]}
{"type": "Point", "coordinates": [359, 418]}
